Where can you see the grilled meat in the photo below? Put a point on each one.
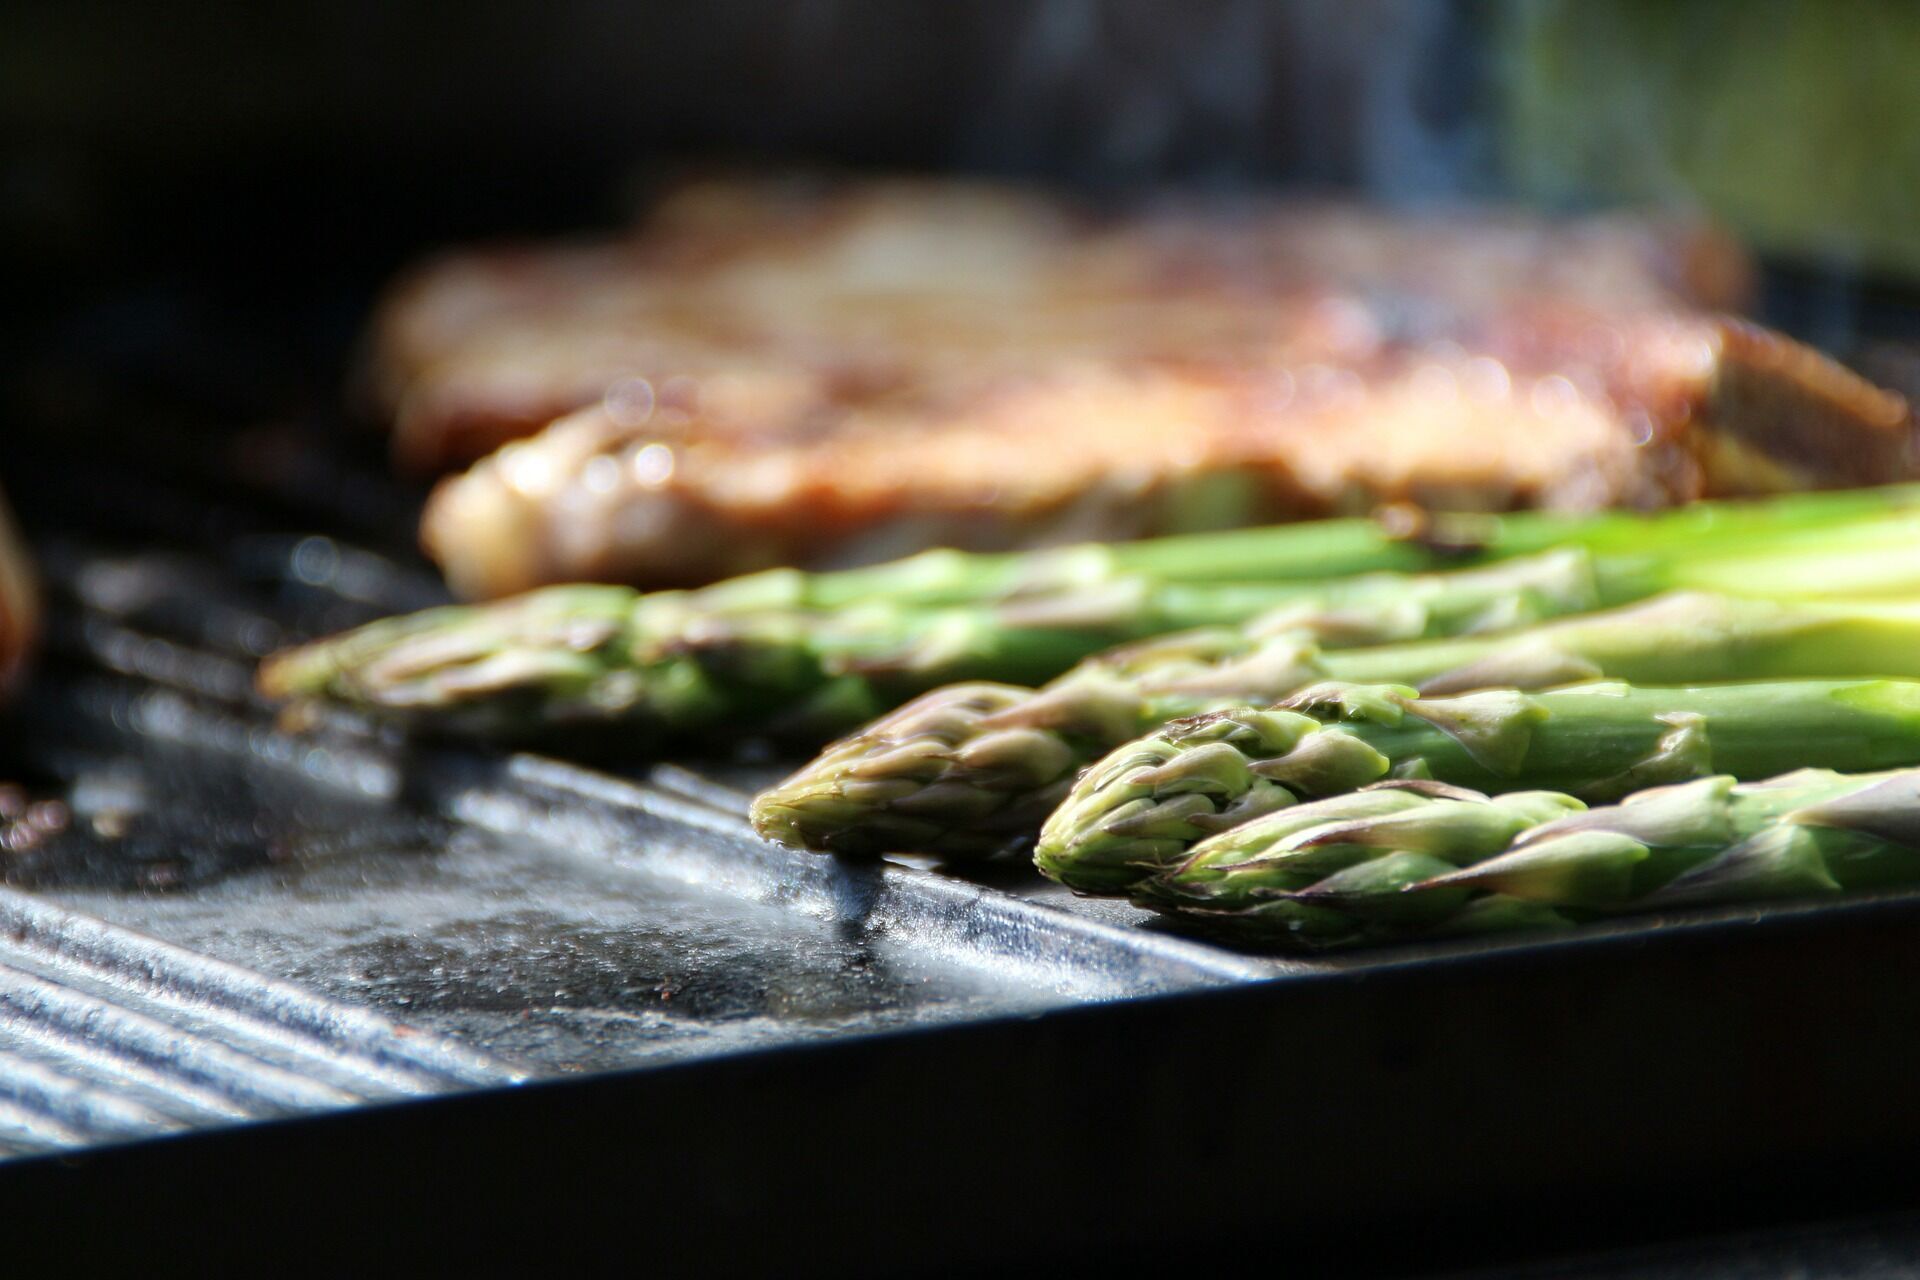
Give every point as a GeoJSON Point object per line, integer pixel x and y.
{"type": "Point", "coordinates": [1547, 406]}
{"type": "Point", "coordinates": [774, 374]}
{"type": "Point", "coordinates": [780, 301]}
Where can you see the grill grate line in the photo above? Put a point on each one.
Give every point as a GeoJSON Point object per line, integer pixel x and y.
{"type": "Point", "coordinates": [24, 1131]}
{"type": "Point", "coordinates": [92, 1026]}
{"type": "Point", "coordinates": [245, 1003]}
{"type": "Point", "coordinates": [85, 1108]}
{"type": "Point", "coordinates": [164, 1093]}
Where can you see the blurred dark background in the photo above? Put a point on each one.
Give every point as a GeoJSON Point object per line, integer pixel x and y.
{"type": "Point", "coordinates": [278, 161]}
{"type": "Point", "coordinates": [347, 129]}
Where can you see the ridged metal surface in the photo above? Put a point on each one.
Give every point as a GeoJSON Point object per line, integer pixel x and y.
{"type": "Point", "coordinates": [613, 818]}
{"type": "Point", "coordinates": [694, 831]}
{"type": "Point", "coordinates": [108, 1035]}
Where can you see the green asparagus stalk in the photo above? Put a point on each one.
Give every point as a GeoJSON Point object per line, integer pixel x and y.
{"type": "Point", "coordinates": [1407, 862]}
{"type": "Point", "coordinates": [576, 654]}
{"type": "Point", "coordinates": [733, 657]}
{"type": "Point", "coordinates": [942, 775]}
{"type": "Point", "coordinates": [1142, 807]}
{"type": "Point", "coordinates": [1313, 550]}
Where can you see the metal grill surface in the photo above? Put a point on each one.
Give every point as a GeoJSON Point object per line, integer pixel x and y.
{"type": "Point", "coordinates": [243, 924]}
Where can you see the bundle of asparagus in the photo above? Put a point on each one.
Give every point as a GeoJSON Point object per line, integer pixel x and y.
{"type": "Point", "coordinates": [970, 769]}
{"type": "Point", "coordinates": [1143, 807]}
{"type": "Point", "coordinates": [806, 655]}
{"type": "Point", "coordinates": [1303, 726]}
{"type": "Point", "coordinates": [1412, 859]}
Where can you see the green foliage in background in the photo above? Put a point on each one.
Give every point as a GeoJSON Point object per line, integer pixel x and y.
{"type": "Point", "coordinates": [1796, 121]}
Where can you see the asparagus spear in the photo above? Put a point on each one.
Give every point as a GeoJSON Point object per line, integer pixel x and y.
{"type": "Point", "coordinates": [1387, 865]}
{"type": "Point", "coordinates": [741, 656]}
{"type": "Point", "coordinates": [1143, 806]}
{"type": "Point", "coordinates": [567, 655]}
{"type": "Point", "coordinates": [942, 774]}
{"type": "Point", "coordinates": [1312, 550]}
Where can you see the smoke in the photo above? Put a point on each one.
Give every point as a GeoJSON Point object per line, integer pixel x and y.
{"type": "Point", "coordinates": [1383, 95]}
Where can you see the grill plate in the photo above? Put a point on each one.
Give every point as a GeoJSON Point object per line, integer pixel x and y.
{"type": "Point", "coordinates": [731, 1047]}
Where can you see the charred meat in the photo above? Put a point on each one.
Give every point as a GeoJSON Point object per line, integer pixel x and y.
{"type": "Point", "coordinates": [779, 301]}
{"type": "Point", "coordinates": [768, 374]}
{"type": "Point", "coordinates": [1562, 410]}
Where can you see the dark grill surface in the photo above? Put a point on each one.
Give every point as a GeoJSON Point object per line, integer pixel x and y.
{"type": "Point", "coordinates": [107, 1035]}
{"type": "Point", "coordinates": [555, 918]}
